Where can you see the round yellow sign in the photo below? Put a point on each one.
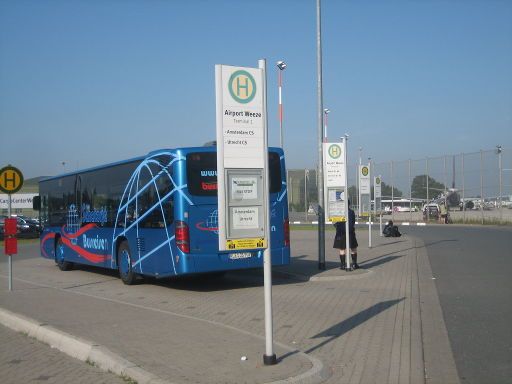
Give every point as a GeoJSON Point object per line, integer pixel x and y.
{"type": "Point", "coordinates": [11, 179]}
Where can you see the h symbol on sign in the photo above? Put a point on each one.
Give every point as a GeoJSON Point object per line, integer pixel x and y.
{"type": "Point", "coordinates": [240, 86]}
{"type": "Point", "coordinates": [11, 179]}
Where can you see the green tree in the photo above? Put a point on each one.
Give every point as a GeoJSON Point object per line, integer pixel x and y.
{"type": "Point", "coordinates": [419, 187]}
{"type": "Point", "coordinates": [386, 191]}
{"type": "Point", "coordinates": [352, 194]}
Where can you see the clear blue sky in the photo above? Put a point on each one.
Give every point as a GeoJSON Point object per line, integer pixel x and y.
{"type": "Point", "coordinates": [89, 82]}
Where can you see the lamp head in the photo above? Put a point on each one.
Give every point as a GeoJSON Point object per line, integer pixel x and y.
{"type": "Point", "coordinates": [281, 65]}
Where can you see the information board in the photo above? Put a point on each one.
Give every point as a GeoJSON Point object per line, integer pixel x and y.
{"type": "Point", "coordinates": [334, 181]}
{"type": "Point", "coordinates": [365, 189]}
{"type": "Point", "coordinates": [377, 193]}
{"type": "Point", "coordinates": [242, 157]}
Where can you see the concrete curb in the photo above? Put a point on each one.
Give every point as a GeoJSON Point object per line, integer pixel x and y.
{"type": "Point", "coordinates": [406, 223]}
{"type": "Point", "coordinates": [316, 375]}
{"type": "Point", "coordinates": [78, 348]}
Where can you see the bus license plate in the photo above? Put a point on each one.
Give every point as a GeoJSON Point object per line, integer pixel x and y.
{"type": "Point", "coordinates": [240, 255]}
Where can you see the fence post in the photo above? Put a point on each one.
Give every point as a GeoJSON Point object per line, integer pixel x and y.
{"type": "Point", "coordinates": [392, 194]}
{"type": "Point", "coordinates": [410, 192]}
{"type": "Point", "coordinates": [428, 200]}
{"type": "Point", "coordinates": [306, 172]}
{"type": "Point", "coordinates": [482, 184]}
{"type": "Point", "coordinates": [463, 193]}
{"type": "Point", "coordinates": [445, 179]}
{"type": "Point", "coordinates": [499, 149]}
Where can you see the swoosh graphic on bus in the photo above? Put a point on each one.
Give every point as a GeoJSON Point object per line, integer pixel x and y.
{"type": "Point", "coordinates": [50, 235]}
{"type": "Point", "coordinates": [82, 230]}
{"type": "Point", "coordinates": [92, 257]}
{"type": "Point", "coordinates": [201, 227]}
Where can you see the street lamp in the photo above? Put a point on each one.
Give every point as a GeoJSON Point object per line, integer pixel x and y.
{"type": "Point", "coordinates": [281, 65]}
{"type": "Point", "coordinates": [498, 152]}
{"type": "Point", "coordinates": [326, 112]}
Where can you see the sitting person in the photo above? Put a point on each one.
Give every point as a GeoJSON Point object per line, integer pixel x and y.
{"type": "Point", "coordinates": [391, 230]}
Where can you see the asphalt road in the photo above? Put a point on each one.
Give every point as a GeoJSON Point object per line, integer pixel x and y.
{"type": "Point", "coordinates": [473, 268]}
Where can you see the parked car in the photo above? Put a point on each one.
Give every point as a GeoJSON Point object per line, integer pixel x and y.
{"type": "Point", "coordinates": [431, 211]}
{"type": "Point", "coordinates": [26, 227]}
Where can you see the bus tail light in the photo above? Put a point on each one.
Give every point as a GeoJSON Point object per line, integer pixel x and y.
{"type": "Point", "coordinates": [286, 228]}
{"type": "Point", "coordinates": [182, 236]}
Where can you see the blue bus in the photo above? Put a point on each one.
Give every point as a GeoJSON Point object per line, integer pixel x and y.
{"type": "Point", "coordinates": [154, 215]}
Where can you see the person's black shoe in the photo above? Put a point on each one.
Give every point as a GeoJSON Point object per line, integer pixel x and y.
{"type": "Point", "coordinates": [342, 266]}
{"type": "Point", "coordinates": [354, 261]}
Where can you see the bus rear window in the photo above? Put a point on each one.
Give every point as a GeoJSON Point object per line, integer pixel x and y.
{"type": "Point", "coordinates": [202, 173]}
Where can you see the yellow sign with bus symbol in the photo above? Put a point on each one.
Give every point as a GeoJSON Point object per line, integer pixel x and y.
{"type": "Point", "coordinates": [11, 179]}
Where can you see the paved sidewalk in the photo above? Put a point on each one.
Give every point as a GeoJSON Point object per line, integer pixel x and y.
{"type": "Point", "coordinates": [380, 324]}
{"type": "Point", "coordinates": [26, 360]}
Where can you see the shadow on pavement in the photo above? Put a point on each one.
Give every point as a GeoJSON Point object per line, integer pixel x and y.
{"type": "Point", "coordinates": [378, 261]}
{"type": "Point", "coordinates": [352, 322]}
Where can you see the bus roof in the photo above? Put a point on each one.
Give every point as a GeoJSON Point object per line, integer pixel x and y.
{"type": "Point", "coordinates": [108, 165]}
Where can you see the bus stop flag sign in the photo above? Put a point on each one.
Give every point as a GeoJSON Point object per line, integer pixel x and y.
{"type": "Point", "coordinates": [241, 158]}
{"type": "Point", "coordinates": [11, 179]}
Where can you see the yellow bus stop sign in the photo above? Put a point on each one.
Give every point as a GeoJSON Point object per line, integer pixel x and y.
{"type": "Point", "coordinates": [11, 179]}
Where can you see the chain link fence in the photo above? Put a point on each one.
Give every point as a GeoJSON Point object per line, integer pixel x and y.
{"type": "Point", "coordinates": [470, 188]}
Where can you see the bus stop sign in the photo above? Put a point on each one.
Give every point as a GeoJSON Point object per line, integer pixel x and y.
{"type": "Point", "coordinates": [11, 245]}
{"type": "Point", "coordinates": [10, 241]}
{"type": "Point", "coordinates": [11, 179]}
{"type": "Point", "coordinates": [10, 225]}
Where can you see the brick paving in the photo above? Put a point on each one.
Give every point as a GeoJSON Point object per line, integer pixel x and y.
{"type": "Point", "coordinates": [26, 360]}
{"type": "Point", "coordinates": [367, 326]}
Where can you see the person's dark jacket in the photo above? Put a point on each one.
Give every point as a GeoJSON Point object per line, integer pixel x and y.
{"type": "Point", "coordinates": [340, 226]}
{"type": "Point", "coordinates": [391, 230]}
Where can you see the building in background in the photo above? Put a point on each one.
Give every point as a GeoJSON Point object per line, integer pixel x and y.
{"type": "Point", "coordinates": [22, 200]}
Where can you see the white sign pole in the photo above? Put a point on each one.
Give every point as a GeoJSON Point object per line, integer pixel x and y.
{"type": "Point", "coordinates": [270, 357]}
{"type": "Point", "coordinates": [10, 256]}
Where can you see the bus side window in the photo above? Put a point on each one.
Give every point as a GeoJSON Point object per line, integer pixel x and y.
{"type": "Point", "coordinates": [155, 202]}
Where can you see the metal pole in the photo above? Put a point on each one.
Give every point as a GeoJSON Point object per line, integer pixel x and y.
{"type": "Point", "coordinates": [410, 192]}
{"type": "Point", "coordinates": [321, 213]}
{"type": "Point", "coordinates": [326, 112]}
{"type": "Point", "coordinates": [392, 193]}
{"type": "Point", "coordinates": [9, 212]}
{"type": "Point", "coordinates": [501, 185]}
{"type": "Point", "coordinates": [359, 209]}
{"type": "Point", "coordinates": [482, 184]}
{"type": "Point", "coordinates": [380, 224]}
{"type": "Point", "coordinates": [428, 200]}
{"type": "Point", "coordinates": [306, 193]}
{"type": "Point", "coordinates": [280, 82]}
{"type": "Point", "coordinates": [348, 261]}
{"type": "Point", "coordinates": [370, 207]}
{"type": "Point", "coordinates": [445, 178]}
{"type": "Point", "coordinates": [463, 193]}
{"type": "Point", "coordinates": [269, 358]}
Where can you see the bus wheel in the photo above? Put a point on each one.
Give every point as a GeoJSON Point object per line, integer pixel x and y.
{"type": "Point", "coordinates": [124, 262]}
{"type": "Point", "coordinates": [59, 257]}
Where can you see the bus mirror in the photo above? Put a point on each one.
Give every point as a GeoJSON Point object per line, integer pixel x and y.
{"type": "Point", "coordinates": [36, 203]}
